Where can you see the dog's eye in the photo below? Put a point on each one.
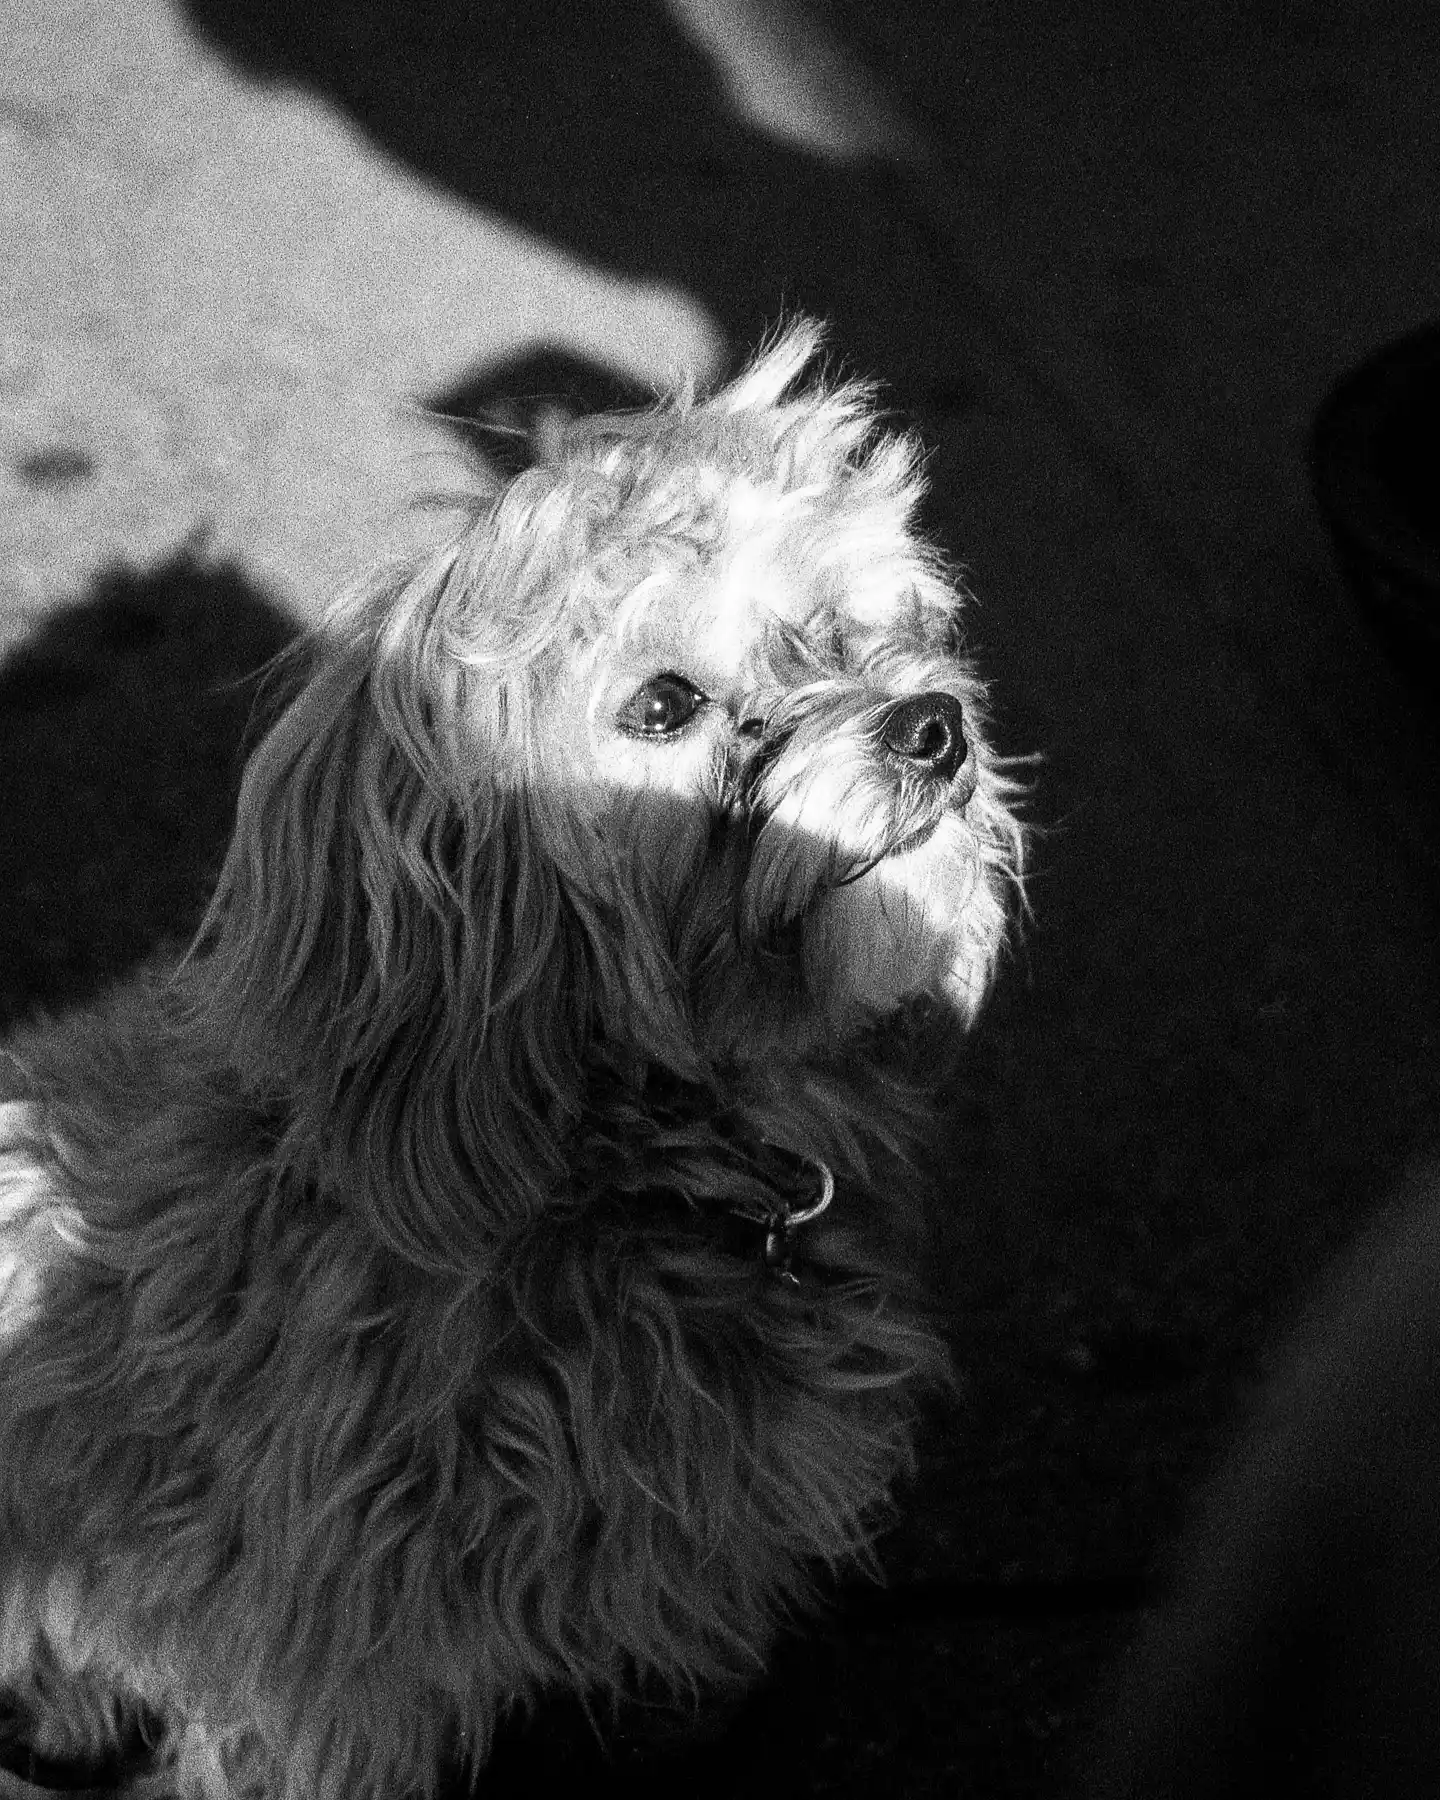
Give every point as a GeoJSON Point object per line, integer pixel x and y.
{"type": "Point", "coordinates": [660, 707]}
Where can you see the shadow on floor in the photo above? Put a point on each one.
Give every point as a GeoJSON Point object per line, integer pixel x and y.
{"type": "Point", "coordinates": [123, 722]}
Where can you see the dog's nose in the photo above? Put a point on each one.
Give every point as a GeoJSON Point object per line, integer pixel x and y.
{"type": "Point", "coordinates": [929, 731]}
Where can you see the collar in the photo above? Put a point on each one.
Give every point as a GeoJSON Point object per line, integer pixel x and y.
{"type": "Point", "coordinates": [798, 1188]}
{"type": "Point", "coordinates": [803, 1188]}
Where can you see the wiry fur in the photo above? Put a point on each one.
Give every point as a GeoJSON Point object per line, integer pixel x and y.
{"type": "Point", "coordinates": [376, 1344]}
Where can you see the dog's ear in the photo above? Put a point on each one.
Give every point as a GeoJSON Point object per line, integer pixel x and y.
{"type": "Point", "coordinates": [389, 951]}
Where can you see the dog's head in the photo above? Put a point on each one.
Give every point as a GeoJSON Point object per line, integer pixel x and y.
{"type": "Point", "coordinates": [672, 750]}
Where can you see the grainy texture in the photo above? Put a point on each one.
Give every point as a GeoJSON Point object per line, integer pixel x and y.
{"type": "Point", "coordinates": [1113, 300]}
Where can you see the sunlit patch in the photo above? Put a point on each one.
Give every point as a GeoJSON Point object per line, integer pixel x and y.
{"type": "Point", "coordinates": [913, 840]}
{"type": "Point", "coordinates": [35, 1223]}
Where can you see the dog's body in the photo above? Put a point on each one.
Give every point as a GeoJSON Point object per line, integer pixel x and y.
{"type": "Point", "coordinates": [397, 1314]}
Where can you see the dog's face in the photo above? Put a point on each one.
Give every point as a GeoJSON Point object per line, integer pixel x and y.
{"type": "Point", "coordinates": [759, 750]}
{"type": "Point", "coordinates": [784, 763]}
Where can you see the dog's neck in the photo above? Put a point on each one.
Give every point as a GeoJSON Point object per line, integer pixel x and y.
{"type": "Point", "coordinates": [791, 1112]}
{"type": "Point", "coordinates": [779, 1166]}
{"type": "Point", "coordinates": [749, 1172]}
{"type": "Point", "coordinates": [780, 1119]}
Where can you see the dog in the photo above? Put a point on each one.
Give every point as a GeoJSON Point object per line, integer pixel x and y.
{"type": "Point", "coordinates": [468, 1274]}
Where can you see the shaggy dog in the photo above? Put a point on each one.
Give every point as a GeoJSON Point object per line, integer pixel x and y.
{"type": "Point", "coordinates": [465, 1275]}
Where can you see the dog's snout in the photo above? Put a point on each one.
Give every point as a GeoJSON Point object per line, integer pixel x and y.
{"type": "Point", "coordinates": [929, 731]}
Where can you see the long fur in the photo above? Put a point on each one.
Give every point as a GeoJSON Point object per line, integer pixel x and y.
{"type": "Point", "coordinates": [376, 1345]}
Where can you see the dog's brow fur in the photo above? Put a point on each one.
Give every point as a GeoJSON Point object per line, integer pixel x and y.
{"type": "Point", "coordinates": [383, 1340]}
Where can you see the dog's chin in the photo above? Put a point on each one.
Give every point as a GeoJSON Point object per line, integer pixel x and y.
{"type": "Point", "coordinates": [951, 816]}
{"type": "Point", "coordinates": [912, 841]}
{"type": "Point", "coordinates": [921, 920]}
